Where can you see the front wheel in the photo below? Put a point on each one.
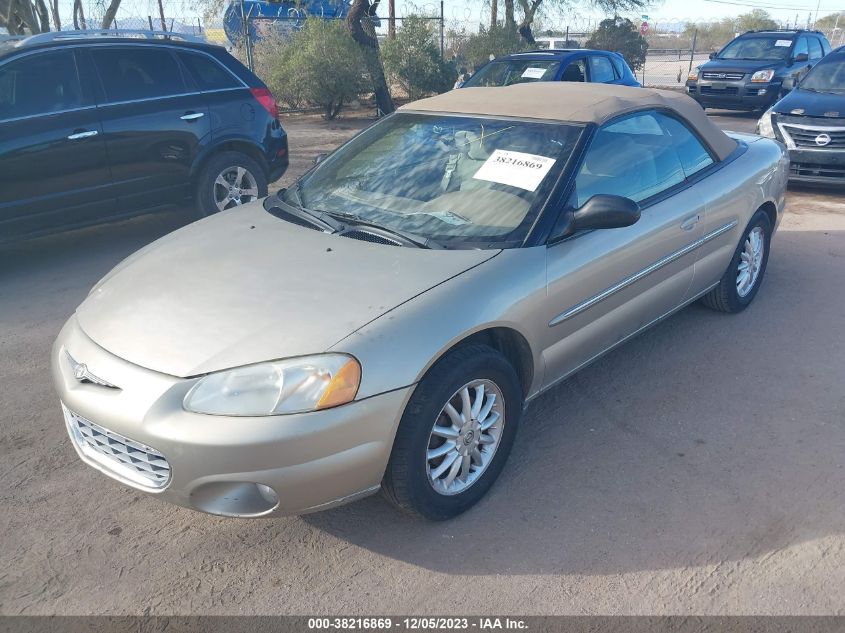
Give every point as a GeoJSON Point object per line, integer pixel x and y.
{"type": "Point", "coordinates": [229, 180]}
{"type": "Point", "coordinates": [741, 281]}
{"type": "Point", "coordinates": [455, 435]}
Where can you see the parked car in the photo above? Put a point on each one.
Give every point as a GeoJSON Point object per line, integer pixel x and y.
{"type": "Point", "coordinates": [582, 65]}
{"type": "Point", "coordinates": [810, 120]}
{"type": "Point", "coordinates": [95, 128]}
{"type": "Point", "coordinates": [382, 323]}
{"type": "Point", "coordinates": [749, 72]}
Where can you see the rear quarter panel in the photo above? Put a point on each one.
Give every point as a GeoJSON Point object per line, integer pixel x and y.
{"type": "Point", "coordinates": [754, 178]}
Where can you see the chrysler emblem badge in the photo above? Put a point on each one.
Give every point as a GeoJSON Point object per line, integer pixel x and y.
{"type": "Point", "coordinates": [80, 371]}
{"type": "Point", "coordinates": [822, 139]}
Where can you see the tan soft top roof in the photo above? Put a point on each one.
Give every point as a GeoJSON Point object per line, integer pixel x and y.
{"type": "Point", "coordinates": [575, 102]}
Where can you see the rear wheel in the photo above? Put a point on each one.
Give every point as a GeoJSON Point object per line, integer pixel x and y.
{"type": "Point", "coordinates": [229, 179]}
{"type": "Point", "coordinates": [740, 283]}
{"type": "Point", "coordinates": [455, 435]}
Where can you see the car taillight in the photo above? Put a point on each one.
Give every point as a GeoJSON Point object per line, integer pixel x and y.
{"type": "Point", "coordinates": [265, 98]}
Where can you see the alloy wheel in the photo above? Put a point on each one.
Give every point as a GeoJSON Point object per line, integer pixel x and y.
{"type": "Point", "coordinates": [750, 261]}
{"type": "Point", "coordinates": [465, 437]}
{"type": "Point", "coordinates": [233, 187]}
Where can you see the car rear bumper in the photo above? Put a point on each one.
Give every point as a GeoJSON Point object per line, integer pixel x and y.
{"type": "Point", "coordinates": [733, 95]}
{"type": "Point", "coordinates": [139, 434]}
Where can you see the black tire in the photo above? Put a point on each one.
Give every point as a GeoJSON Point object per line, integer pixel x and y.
{"type": "Point", "coordinates": [725, 297]}
{"type": "Point", "coordinates": [406, 482]}
{"type": "Point", "coordinates": [218, 164]}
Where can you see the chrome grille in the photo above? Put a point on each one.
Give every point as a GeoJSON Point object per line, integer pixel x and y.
{"type": "Point", "coordinates": [724, 76]}
{"type": "Point", "coordinates": [805, 136]}
{"type": "Point", "coordinates": [125, 458]}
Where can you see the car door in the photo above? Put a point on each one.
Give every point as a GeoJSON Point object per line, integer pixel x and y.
{"type": "Point", "coordinates": [155, 123]}
{"type": "Point", "coordinates": [605, 285]}
{"type": "Point", "coordinates": [53, 167]}
{"type": "Point", "coordinates": [601, 70]}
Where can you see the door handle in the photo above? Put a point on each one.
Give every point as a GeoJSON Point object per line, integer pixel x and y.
{"type": "Point", "coordinates": [78, 135]}
{"type": "Point", "coordinates": [192, 116]}
{"type": "Point", "coordinates": [690, 222]}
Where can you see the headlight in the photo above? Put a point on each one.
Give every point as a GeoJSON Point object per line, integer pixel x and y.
{"type": "Point", "coordinates": [294, 385]}
{"type": "Point", "coordinates": [693, 74]}
{"type": "Point", "coordinates": [762, 76]}
{"type": "Point", "coordinates": [764, 125]}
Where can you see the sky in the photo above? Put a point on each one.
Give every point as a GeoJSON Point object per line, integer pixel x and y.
{"type": "Point", "coordinates": [471, 12]}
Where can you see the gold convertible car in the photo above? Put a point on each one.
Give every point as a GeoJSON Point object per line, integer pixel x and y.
{"type": "Point", "coordinates": [383, 323]}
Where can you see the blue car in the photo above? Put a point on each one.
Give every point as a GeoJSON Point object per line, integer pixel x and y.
{"type": "Point", "coordinates": [555, 65]}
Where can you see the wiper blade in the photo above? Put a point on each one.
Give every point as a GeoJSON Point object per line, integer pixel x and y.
{"type": "Point", "coordinates": [417, 240]}
{"type": "Point", "coordinates": [318, 218]}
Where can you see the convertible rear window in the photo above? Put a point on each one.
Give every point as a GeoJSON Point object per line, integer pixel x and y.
{"type": "Point", "coordinates": [448, 178]}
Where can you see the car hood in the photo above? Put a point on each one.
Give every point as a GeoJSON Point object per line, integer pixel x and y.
{"type": "Point", "coordinates": [743, 65]}
{"type": "Point", "coordinates": [244, 286]}
{"type": "Point", "coordinates": [813, 103]}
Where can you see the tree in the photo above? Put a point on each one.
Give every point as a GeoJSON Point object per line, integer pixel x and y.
{"type": "Point", "coordinates": [412, 59]}
{"type": "Point", "coordinates": [318, 65]}
{"type": "Point", "coordinates": [620, 35]}
{"type": "Point", "coordinates": [715, 35]}
{"type": "Point", "coordinates": [360, 14]}
{"type": "Point", "coordinates": [22, 17]}
{"type": "Point", "coordinates": [495, 41]}
{"type": "Point", "coordinates": [111, 12]}
{"type": "Point", "coordinates": [531, 8]}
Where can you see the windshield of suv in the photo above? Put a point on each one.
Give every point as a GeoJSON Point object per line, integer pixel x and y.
{"type": "Point", "coordinates": [827, 76]}
{"type": "Point", "coordinates": [464, 182]}
{"type": "Point", "coordinates": [514, 71]}
{"type": "Point", "coordinates": [757, 47]}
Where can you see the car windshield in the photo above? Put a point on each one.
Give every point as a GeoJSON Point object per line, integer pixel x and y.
{"type": "Point", "coordinates": [463, 182]}
{"type": "Point", "coordinates": [758, 47]}
{"type": "Point", "coordinates": [827, 76]}
{"type": "Point", "coordinates": [514, 71]}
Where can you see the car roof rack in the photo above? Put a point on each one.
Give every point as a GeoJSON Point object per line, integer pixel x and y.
{"type": "Point", "coordinates": [55, 36]}
{"type": "Point", "coordinates": [794, 30]}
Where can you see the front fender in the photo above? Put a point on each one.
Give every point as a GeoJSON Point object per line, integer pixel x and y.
{"type": "Point", "coordinates": [398, 348]}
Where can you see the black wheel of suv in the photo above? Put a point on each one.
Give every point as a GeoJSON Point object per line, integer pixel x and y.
{"type": "Point", "coordinates": [229, 179]}
{"type": "Point", "coordinates": [455, 435]}
{"type": "Point", "coordinates": [742, 280]}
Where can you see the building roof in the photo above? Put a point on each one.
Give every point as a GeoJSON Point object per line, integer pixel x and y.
{"type": "Point", "coordinates": [576, 103]}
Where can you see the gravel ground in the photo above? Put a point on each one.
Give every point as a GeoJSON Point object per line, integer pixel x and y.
{"type": "Point", "coordinates": [696, 469]}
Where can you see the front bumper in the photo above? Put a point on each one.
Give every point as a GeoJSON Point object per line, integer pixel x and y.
{"type": "Point", "coordinates": [817, 167]}
{"type": "Point", "coordinates": [733, 95]}
{"type": "Point", "coordinates": [216, 464]}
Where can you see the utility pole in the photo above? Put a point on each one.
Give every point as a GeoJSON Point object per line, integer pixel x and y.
{"type": "Point", "coordinates": [494, 13]}
{"type": "Point", "coordinates": [391, 19]}
{"type": "Point", "coordinates": [161, 15]}
{"type": "Point", "coordinates": [442, 29]}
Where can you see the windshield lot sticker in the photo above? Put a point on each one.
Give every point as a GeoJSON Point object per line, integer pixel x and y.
{"type": "Point", "coordinates": [534, 73]}
{"type": "Point", "coordinates": [786, 43]}
{"type": "Point", "coordinates": [516, 169]}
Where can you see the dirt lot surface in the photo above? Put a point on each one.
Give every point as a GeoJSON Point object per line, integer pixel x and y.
{"type": "Point", "coordinates": [699, 468]}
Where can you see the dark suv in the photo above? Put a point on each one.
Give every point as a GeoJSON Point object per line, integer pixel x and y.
{"type": "Point", "coordinates": [749, 72]}
{"type": "Point", "coordinates": [96, 127]}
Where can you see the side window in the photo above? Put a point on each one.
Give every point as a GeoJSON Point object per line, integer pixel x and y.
{"type": "Point", "coordinates": [137, 72]}
{"type": "Point", "coordinates": [617, 66]}
{"type": "Point", "coordinates": [39, 84]}
{"type": "Point", "coordinates": [208, 73]}
{"type": "Point", "coordinates": [815, 48]}
{"type": "Point", "coordinates": [693, 155]}
{"type": "Point", "coordinates": [575, 71]}
{"type": "Point", "coordinates": [633, 157]}
{"type": "Point", "coordinates": [601, 71]}
{"type": "Point", "coordinates": [801, 47]}
{"type": "Point", "coordinates": [825, 46]}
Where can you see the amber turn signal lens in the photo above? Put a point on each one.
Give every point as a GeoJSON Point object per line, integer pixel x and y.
{"type": "Point", "coordinates": [343, 386]}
